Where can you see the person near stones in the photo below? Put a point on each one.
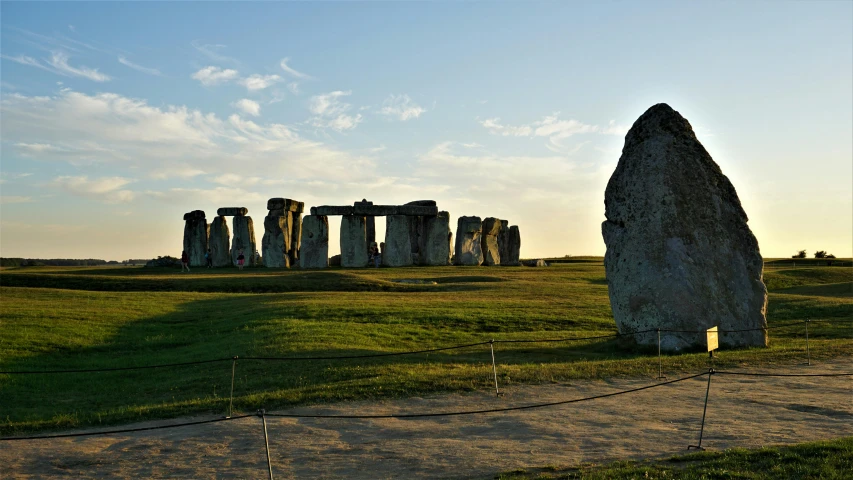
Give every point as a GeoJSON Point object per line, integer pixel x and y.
{"type": "Point", "coordinates": [241, 259]}
{"type": "Point", "coordinates": [185, 261]}
{"type": "Point", "coordinates": [371, 254]}
{"type": "Point", "coordinates": [378, 257]}
{"type": "Point", "coordinates": [209, 259]}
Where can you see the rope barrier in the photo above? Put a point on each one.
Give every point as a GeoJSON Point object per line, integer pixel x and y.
{"type": "Point", "coordinates": [125, 430]}
{"type": "Point", "coordinates": [492, 410]}
{"type": "Point", "coordinates": [788, 374]}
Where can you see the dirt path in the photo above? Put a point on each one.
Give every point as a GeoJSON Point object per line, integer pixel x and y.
{"type": "Point", "coordinates": [742, 412]}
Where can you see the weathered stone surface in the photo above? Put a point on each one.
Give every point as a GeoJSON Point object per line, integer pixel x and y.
{"type": "Point", "coordinates": [353, 241]}
{"type": "Point", "coordinates": [503, 242]}
{"type": "Point", "coordinates": [422, 203]}
{"type": "Point", "coordinates": [489, 241]}
{"type": "Point", "coordinates": [335, 260]}
{"type": "Point", "coordinates": [326, 210]}
{"type": "Point", "coordinates": [195, 214]}
{"type": "Point", "coordinates": [275, 246]}
{"type": "Point", "coordinates": [436, 246]}
{"type": "Point", "coordinates": [295, 236]}
{"type": "Point", "coordinates": [370, 222]}
{"type": "Point", "coordinates": [416, 232]}
{"type": "Point", "coordinates": [535, 263]}
{"type": "Point", "coordinates": [397, 251]}
{"type": "Point", "coordinates": [285, 204]}
{"type": "Point", "coordinates": [243, 240]}
{"type": "Point", "coordinates": [233, 211]}
{"type": "Point", "coordinates": [314, 251]}
{"type": "Point", "coordinates": [219, 242]}
{"type": "Point", "coordinates": [385, 210]}
{"type": "Point", "coordinates": [468, 241]}
{"type": "Point", "coordinates": [680, 255]}
{"type": "Point", "coordinates": [513, 248]}
{"type": "Point", "coordinates": [195, 240]}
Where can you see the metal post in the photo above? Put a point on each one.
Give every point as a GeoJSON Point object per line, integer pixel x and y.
{"type": "Point", "coordinates": [808, 351]}
{"type": "Point", "coordinates": [704, 410]}
{"type": "Point", "coordinates": [262, 414]}
{"type": "Point", "coordinates": [660, 366]}
{"type": "Point", "coordinates": [494, 368]}
{"type": "Point", "coordinates": [231, 397]}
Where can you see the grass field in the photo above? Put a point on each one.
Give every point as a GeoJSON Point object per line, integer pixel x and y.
{"type": "Point", "coordinates": [96, 317]}
{"type": "Point", "coordinates": [826, 460]}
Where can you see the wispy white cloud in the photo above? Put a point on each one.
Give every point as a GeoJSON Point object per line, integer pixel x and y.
{"type": "Point", "coordinates": [291, 71]}
{"type": "Point", "coordinates": [211, 75]}
{"type": "Point", "coordinates": [293, 87]}
{"type": "Point", "coordinates": [29, 61]}
{"type": "Point", "coordinates": [380, 148]}
{"type": "Point", "coordinates": [331, 112]}
{"type": "Point", "coordinates": [128, 63]}
{"type": "Point", "coordinates": [164, 142]}
{"type": "Point", "coordinates": [401, 107]}
{"type": "Point", "coordinates": [211, 51]}
{"type": "Point", "coordinates": [108, 189]}
{"type": "Point", "coordinates": [259, 82]}
{"type": "Point", "coordinates": [248, 106]}
{"type": "Point", "coordinates": [59, 61]}
{"type": "Point", "coordinates": [72, 28]}
{"type": "Point", "coordinates": [554, 129]}
{"type": "Point", "coordinates": [8, 199]}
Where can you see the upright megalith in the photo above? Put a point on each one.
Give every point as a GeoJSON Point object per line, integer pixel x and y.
{"type": "Point", "coordinates": [275, 246]}
{"type": "Point", "coordinates": [435, 245]}
{"type": "Point", "coordinates": [489, 241]}
{"type": "Point", "coordinates": [503, 241]}
{"type": "Point", "coordinates": [680, 255]}
{"type": "Point", "coordinates": [468, 249]}
{"type": "Point", "coordinates": [314, 252]}
{"type": "Point", "coordinates": [219, 242]}
{"type": "Point", "coordinates": [397, 251]}
{"type": "Point", "coordinates": [195, 237]}
{"type": "Point", "coordinates": [369, 222]}
{"type": "Point", "coordinates": [353, 241]}
{"type": "Point", "coordinates": [513, 248]}
{"type": "Point", "coordinates": [243, 239]}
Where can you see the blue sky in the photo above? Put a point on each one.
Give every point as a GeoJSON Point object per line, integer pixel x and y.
{"type": "Point", "coordinates": [119, 117]}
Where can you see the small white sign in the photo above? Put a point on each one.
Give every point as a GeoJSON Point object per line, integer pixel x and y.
{"type": "Point", "coordinates": [713, 339]}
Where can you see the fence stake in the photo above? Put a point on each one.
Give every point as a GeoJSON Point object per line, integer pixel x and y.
{"type": "Point", "coordinates": [231, 397]}
{"type": "Point", "coordinates": [494, 368]}
{"type": "Point", "coordinates": [262, 414]}
{"type": "Point", "coordinates": [704, 410]}
{"type": "Point", "coordinates": [660, 367]}
{"type": "Point", "coordinates": [808, 352]}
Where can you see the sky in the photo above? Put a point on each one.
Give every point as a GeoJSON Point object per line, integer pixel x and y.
{"type": "Point", "coordinates": [116, 118]}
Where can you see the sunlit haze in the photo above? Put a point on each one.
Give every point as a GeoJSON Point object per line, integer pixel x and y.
{"type": "Point", "coordinates": [119, 117]}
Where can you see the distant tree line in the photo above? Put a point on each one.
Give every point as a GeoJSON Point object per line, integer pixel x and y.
{"type": "Point", "coordinates": [53, 262]}
{"type": "Point", "coordinates": [817, 254]}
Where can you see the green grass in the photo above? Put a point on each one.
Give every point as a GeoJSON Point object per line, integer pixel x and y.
{"type": "Point", "coordinates": [825, 460]}
{"type": "Point", "coordinates": [68, 318]}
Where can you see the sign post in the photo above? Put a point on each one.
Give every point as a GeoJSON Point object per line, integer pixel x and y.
{"type": "Point", "coordinates": [713, 342]}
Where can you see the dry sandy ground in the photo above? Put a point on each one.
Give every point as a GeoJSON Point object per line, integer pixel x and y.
{"type": "Point", "coordinates": [742, 412]}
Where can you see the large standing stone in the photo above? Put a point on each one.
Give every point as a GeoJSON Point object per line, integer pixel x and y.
{"type": "Point", "coordinates": [353, 241]}
{"type": "Point", "coordinates": [314, 251]}
{"type": "Point", "coordinates": [489, 240]}
{"type": "Point", "coordinates": [243, 240]}
{"type": "Point", "coordinates": [436, 248]}
{"type": "Point", "coordinates": [680, 255]}
{"type": "Point", "coordinates": [220, 242]}
{"type": "Point", "coordinates": [370, 222]}
{"type": "Point", "coordinates": [468, 249]}
{"type": "Point", "coordinates": [275, 246]}
{"type": "Point", "coordinates": [295, 237]}
{"type": "Point", "coordinates": [232, 211]}
{"type": "Point", "coordinates": [513, 247]}
{"type": "Point", "coordinates": [398, 248]}
{"type": "Point", "coordinates": [503, 241]}
{"type": "Point", "coordinates": [195, 237]}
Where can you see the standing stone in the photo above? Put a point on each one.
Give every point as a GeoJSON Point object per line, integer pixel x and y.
{"type": "Point", "coordinates": [503, 241]}
{"type": "Point", "coordinates": [449, 246]}
{"type": "Point", "coordinates": [220, 242]}
{"type": "Point", "coordinates": [314, 251]}
{"type": "Point", "coordinates": [195, 237]}
{"type": "Point", "coordinates": [489, 240]}
{"type": "Point", "coordinates": [370, 222]}
{"type": "Point", "coordinates": [275, 246]}
{"type": "Point", "coordinates": [513, 248]}
{"type": "Point", "coordinates": [398, 247]}
{"type": "Point", "coordinates": [295, 236]}
{"type": "Point", "coordinates": [680, 255]}
{"type": "Point", "coordinates": [436, 248]}
{"type": "Point", "coordinates": [243, 240]}
{"type": "Point", "coordinates": [468, 248]}
{"type": "Point", "coordinates": [353, 241]}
